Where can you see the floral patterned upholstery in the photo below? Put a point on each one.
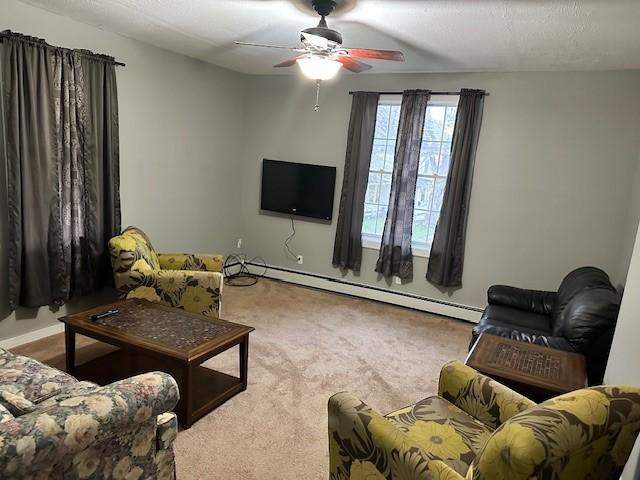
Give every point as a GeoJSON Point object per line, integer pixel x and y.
{"type": "Point", "coordinates": [188, 281]}
{"type": "Point", "coordinates": [479, 429]}
{"type": "Point", "coordinates": [82, 430]}
{"type": "Point", "coordinates": [29, 378]}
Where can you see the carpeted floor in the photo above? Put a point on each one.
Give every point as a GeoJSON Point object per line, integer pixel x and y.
{"type": "Point", "coordinates": [307, 345]}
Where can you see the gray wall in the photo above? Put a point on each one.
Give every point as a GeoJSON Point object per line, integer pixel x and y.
{"type": "Point", "coordinates": [180, 121]}
{"type": "Point", "coordinates": [633, 213]}
{"type": "Point", "coordinates": [553, 177]}
{"type": "Point", "coordinates": [553, 182]}
{"type": "Point", "coordinates": [622, 367]}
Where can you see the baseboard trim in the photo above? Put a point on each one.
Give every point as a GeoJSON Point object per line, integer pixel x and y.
{"type": "Point", "coordinates": [29, 337]}
{"type": "Point", "coordinates": [409, 300]}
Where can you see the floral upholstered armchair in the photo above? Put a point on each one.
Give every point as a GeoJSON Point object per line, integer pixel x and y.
{"type": "Point", "coordinates": [52, 426]}
{"type": "Point", "coordinates": [188, 281]}
{"type": "Point", "coordinates": [479, 429]}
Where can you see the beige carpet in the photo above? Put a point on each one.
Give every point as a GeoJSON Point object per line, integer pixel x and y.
{"type": "Point", "coordinates": [307, 345]}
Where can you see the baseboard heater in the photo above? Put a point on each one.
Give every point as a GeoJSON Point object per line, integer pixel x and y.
{"type": "Point", "coordinates": [337, 285]}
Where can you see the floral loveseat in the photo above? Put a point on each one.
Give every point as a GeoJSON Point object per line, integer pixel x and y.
{"type": "Point", "coordinates": [478, 429]}
{"type": "Point", "coordinates": [52, 426]}
{"type": "Point", "coordinates": [188, 281]}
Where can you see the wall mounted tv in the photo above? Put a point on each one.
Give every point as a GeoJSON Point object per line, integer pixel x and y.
{"type": "Point", "coordinates": [298, 189]}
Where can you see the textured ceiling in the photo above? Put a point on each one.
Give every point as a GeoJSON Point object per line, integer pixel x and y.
{"type": "Point", "coordinates": [435, 35]}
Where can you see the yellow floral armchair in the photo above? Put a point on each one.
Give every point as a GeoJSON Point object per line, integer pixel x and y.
{"type": "Point", "coordinates": [188, 281]}
{"type": "Point", "coordinates": [479, 429]}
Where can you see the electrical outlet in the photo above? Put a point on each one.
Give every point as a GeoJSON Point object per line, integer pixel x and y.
{"type": "Point", "coordinates": [300, 259]}
{"type": "Point", "coordinates": [397, 280]}
{"type": "Point", "coordinates": [239, 244]}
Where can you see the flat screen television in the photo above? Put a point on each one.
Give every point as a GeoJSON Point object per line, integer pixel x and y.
{"type": "Point", "coordinates": [298, 189]}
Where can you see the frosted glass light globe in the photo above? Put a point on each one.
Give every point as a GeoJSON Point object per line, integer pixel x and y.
{"type": "Point", "coordinates": [319, 68]}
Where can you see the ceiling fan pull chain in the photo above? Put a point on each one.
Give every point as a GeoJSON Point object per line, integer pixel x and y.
{"type": "Point", "coordinates": [316, 107]}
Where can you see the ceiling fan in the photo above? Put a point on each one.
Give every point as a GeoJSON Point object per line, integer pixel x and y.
{"type": "Point", "coordinates": [322, 54]}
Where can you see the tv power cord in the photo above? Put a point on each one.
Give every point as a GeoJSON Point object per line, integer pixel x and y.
{"type": "Point", "coordinates": [240, 272]}
{"type": "Point", "coordinates": [287, 249]}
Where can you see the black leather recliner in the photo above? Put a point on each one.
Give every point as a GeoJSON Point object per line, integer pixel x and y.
{"type": "Point", "coordinates": [580, 317]}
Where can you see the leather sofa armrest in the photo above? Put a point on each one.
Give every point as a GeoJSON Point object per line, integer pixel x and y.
{"type": "Point", "coordinates": [537, 301]}
{"type": "Point", "coordinates": [550, 341]}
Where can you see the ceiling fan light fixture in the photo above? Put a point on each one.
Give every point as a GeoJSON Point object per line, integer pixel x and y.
{"type": "Point", "coordinates": [319, 68]}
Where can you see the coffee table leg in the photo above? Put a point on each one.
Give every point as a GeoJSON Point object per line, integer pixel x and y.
{"type": "Point", "coordinates": [187, 390]}
{"type": "Point", "coordinates": [70, 349]}
{"type": "Point", "coordinates": [244, 361]}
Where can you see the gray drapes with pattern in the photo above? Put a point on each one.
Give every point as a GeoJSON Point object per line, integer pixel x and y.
{"type": "Point", "coordinates": [447, 251]}
{"type": "Point", "coordinates": [61, 133]}
{"type": "Point", "coordinates": [395, 251]}
{"type": "Point", "coordinates": [347, 249]}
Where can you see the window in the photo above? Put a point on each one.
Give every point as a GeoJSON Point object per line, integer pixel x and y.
{"type": "Point", "coordinates": [432, 171]}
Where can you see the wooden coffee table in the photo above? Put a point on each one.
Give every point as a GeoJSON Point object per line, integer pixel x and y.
{"type": "Point", "coordinates": [533, 370]}
{"type": "Point", "coordinates": [151, 336]}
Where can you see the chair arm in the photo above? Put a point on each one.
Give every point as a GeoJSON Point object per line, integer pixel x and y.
{"type": "Point", "coordinates": [167, 430]}
{"type": "Point", "coordinates": [171, 283]}
{"type": "Point", "coordinates": [39, 439]}
{"type": "Point", "coordinates": [359, 436]}
{"type": "Point", "coordinates": [537, 301]}
{"type": "Point", "coordinates": [191, 261]}
{"type": "Point", "coordinates": [587, 433]}
{"type": "Point", "coordinates": [559, 343]}
{"type": "Point", "coordinates": [481, 397]}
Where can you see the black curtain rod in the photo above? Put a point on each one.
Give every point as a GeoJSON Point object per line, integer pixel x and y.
{"type": "Point", "coordinates": [486, 94]}
{"type": "Point", "coordinates": [43, 43]}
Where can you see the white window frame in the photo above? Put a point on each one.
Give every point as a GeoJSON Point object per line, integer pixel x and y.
{"type": "Point", "coordinates": [371, 241]}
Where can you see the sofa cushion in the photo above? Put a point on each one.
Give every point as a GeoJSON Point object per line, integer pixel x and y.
{"type": "Point", "coordinates": [130, 247]}
{"type": "Point", "coordinates": [31, 379]}
{"type": "Point", "coordinates": [69, 391]}
{"type": "Point", "coordinates": [5, 414]}
{"type": "Point", "coordinates": [15, 402]}
{"type": "Point", "coordinates": [444, 431]}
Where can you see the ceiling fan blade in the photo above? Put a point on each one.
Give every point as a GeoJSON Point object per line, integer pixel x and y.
{"type": "Point", "coordinates": [376, 54]}
{"type": "Point", "coordinates": [353, 65]}
{"type": "Point", "coordinates": [288, 63]}
{"type": "Point", "coordinates": [315, 40]}
{"type": "Point", "coordinates": [250, 44]}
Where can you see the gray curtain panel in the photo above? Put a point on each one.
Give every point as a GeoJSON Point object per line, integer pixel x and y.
{"type": "Point", "coordinates": [102, 169]}
{"type": "Point", "coordinates": [395, 251]}
{"type": "Point", "coordinates": [347, 248]}
{"type": "Point", "coordinates": [447, 251]}
{"type": "Point", "coordinates": [62, 163]}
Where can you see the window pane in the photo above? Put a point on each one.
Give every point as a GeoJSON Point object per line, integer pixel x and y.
{"type": "Point", "coordinates": [420, 227]}
{"type": "Point", "coordinates": [385, 189]}
{"type": "Point", "coordinates": [429, 153]}
{"type": "Point", "coordinates": [389, 156]}
{"type": "Point", "coordinates": [382, 217]}
{"type": "Point", "coordinates": [438, 194]}
{"type": "Point", "coordinates": [424, 191]}
{"type": "Point", "coordinates": [373, 188]}
{"type": "Point", "coordinates": [434, 123]}
{"type": "Point", "coordinates": [377, 155]}
{"type": "Point", "coordinates": [394, 120]}
{"type": "Point", "coordinates": [445, 155]}
{"type": "Point", "coordinates": [449, 123]}
{"type": "Point", "coordinates": [382, 121]}
{"type": "Point", "coordinates": [369, 221]}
